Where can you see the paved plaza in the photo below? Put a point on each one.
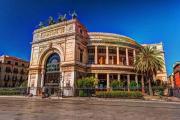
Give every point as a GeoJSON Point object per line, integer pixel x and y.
{"type": "Point", "coordinates": [47, 109]}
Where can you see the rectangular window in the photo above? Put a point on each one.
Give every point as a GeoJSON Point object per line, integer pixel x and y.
{"type": "Point", "coordinates": [8, 70]}
{"type": "Point", "coordinates": [91, 59]}
{"type": "Point", "coordinates": [8, 62]}
{"type": "Point", "coordinates": [15, 71]}
{"type": "Point", "coordinates": [16, 63]}
{"type": "Point", "coordinates": [122, 52]}
{"type": "Point", "coordinates": [81, 55]}
{"type": "Point", "coordinates": [101, 50]}
{"type": "Point", "coordinates": [112, 51]}
{"type": "Point", "coordinates": [81, 31]}
{"type": "Point", "coordinates": [91, 50]}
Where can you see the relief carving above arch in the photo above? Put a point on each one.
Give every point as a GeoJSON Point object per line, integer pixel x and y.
{"type": "Point", "coordinates": [47, 51]}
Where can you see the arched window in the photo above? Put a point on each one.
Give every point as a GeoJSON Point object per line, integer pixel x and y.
{"type": "Point", "coordinates": [52, 64]}
{"type": "Point", "coordinates": [52, 75]}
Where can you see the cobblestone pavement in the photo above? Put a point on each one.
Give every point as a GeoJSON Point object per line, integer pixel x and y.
{"type": "Point", "coordinates": [46, 109]}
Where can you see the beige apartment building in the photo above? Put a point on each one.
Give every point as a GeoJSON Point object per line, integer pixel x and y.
{"type": "Point", "coordinates": [65, 51]}
{"type": "Point", "coordinates": [13, 71]}
{"type": "Point", "coordinates": [161, 75]}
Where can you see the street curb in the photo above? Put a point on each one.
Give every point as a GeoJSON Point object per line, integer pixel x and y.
{"type": "Point", "coordinates": [90, 99]}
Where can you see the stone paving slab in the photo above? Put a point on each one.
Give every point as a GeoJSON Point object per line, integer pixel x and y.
{"type": "Point", "coordinates": [22, 108]}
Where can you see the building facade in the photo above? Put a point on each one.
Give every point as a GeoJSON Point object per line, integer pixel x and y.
{"type": "Point", "coordinates": [64, 52]}
{"type": "Point", "coordinates": [171, 81]}
{"type": "Point", "coordinates": [176, 70]}
{"type": "Point", "coordinates": [13, 71]}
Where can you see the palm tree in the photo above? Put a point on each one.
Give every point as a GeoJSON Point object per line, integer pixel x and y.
{"type": "Point", "coordinates": [148, 61]}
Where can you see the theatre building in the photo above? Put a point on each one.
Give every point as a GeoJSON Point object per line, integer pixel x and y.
{"type": "Point", "coordinates": [65, 51]}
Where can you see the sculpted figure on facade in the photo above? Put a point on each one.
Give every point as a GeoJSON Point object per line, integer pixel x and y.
{"type": "Point", "coordinates": [73, 14]}
{"type": "Point", "coordinates": [51, 20]}
{"type": "Point", "coordinates": [62, 18]}
{"type": "Point", "coordinates": [41, 25]}
{"type": "Point", "coordinates": [101, 60]}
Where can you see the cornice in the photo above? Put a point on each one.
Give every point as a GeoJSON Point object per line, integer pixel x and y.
{"type": "Point", "coordinates": [117, 37]}
{"type": "Point", "coordinates": [56, 25]}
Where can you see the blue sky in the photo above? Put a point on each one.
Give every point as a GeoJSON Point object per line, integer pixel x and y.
{"type": "Point", "coordinates": [146, 21]}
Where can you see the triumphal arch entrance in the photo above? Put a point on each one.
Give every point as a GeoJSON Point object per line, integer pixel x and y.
{"type": "Point", "coordinates": [58, 56]}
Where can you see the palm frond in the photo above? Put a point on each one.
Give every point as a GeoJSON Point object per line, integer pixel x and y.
{"type": "Point", "coordinates": [149, 60]}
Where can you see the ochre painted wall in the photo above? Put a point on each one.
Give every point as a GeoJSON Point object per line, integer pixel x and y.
{"type": "Point", "coordinates": [177, 79]}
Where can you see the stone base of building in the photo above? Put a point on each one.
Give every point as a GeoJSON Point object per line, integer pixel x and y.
{"type": "Point", "coordinates": [64, 92]}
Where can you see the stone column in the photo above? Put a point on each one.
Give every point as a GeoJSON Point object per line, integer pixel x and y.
{"type": "Point", "coordinates": [136, 79]}
{"type": "Point", "coordinates": [127, 57]}
{"type": "Point", "coordinates": [108, 84]}
{"type": "Point", "coordinates": [42, 78]}
{"type": "Point", "coordinates": [142, 83]}
{"type": "Point", "coordinates": [96, 76]}
{"type": "Point", "coordinates": [134, 55]}
{"type": "Point", "coordinates": [96, 57]}
{"type": "Point", "coordinates": [29, 83]}
{"type": "Point", "coordinates": [35, 88]}
{"type": "Point", "coordinates": [117, 55]}
{"type": "Point", "coordinates": [128, 80]}
{"type": "Point", "coordinates": [107, 55]}
{"type": "Point", "coordinates": [119, 77]}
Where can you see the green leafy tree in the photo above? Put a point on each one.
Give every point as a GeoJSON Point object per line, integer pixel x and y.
{"type": "Point", "coordinates": [85, 85]}
{"type": "Point", "coordinates": [115, 84]}
{"type": "Point", "coordinates": [24, 84]}
{"type": "Point", "coordinates": [86, 82]}
{"type": "Point", "coordinates": [133, 85]}
{"type": "Point", "coordinates": [148, 61]}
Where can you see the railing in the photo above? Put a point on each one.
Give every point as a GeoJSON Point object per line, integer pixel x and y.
{"type": "Point", "coordinates": [13, 91]}
{"type": "Point", "coordinates": [174, 92]}
{"type": "Point", "coordinates": [69, 91]}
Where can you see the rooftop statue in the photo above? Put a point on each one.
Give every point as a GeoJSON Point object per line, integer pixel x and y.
{"type": "Point", "coordinates": [62, 18]}
{"type": "Point", "coordinates": [51, 21]}
{"type": "Point", "coordinates": [41, 25]}
{"type": "Point", "coordinates": [73, 15]}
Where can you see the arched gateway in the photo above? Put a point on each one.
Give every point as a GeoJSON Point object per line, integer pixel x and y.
{"type": "Point", "coordinates": [53, 75]}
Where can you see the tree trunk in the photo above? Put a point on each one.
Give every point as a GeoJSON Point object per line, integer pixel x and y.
{"type": "Point", "coordinates": [150, 88]}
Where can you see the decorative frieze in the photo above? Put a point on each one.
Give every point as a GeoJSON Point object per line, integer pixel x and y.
{"type": "Point", "coordinates": [49, 33]}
